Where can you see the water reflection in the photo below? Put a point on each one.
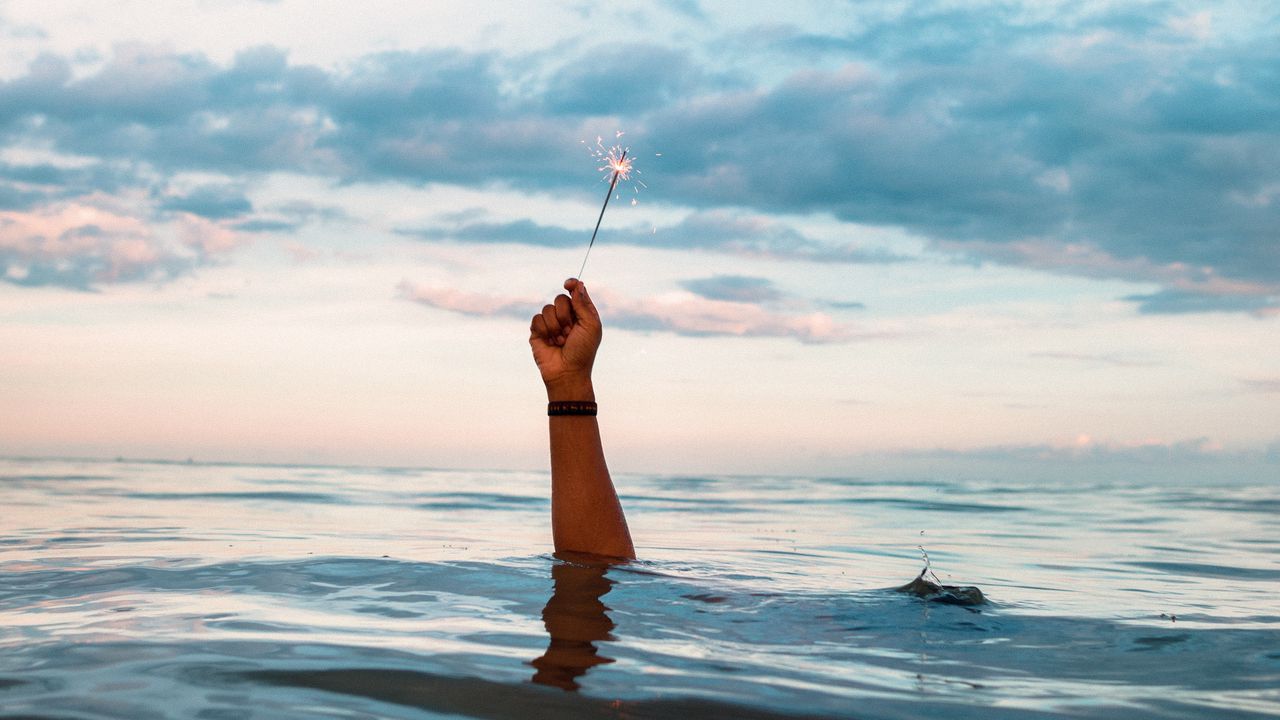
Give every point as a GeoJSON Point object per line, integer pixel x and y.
{"type": "Point", "coordinates": [576, 619]}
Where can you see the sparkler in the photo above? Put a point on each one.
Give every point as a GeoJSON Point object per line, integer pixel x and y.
{"type": "Point", "coordinates": [618, 167]}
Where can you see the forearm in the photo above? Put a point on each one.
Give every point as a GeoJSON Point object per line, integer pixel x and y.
{"type": "Point", "coordinates": [585, 513]}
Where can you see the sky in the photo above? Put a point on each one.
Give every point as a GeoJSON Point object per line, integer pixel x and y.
{"type": "Point", "coordinates": [1034, 239]}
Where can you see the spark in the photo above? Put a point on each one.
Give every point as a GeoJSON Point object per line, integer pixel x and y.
{"type": "Point", "coordinates": [622, 165]}
{"type": "Point", "coordinates": [616, 166]}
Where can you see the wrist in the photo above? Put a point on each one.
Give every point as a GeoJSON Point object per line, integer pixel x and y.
{"type": "Point", "coordinates": [567, 389]}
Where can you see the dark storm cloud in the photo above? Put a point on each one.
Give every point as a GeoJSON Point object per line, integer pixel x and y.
{"type": "Point", "coordinates": [1132, 138]}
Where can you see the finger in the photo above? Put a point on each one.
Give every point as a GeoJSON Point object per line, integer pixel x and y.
{"type": "Point", "coordinates": [583, 307]}
{"type": "Point", "coordinates": [538, 328]}
{"type": "Point", "coordinates": [564, 312]}
{"type": "Point", "coordinates": [553, 323]}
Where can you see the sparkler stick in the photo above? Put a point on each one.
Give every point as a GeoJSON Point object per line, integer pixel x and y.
{"type": "Point", "coordinates": [620, 167]}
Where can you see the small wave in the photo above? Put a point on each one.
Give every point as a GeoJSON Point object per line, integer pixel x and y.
{"type": "Point", "coordinates": [265, 495]}
{"type": "Point", "coordinates": [55, 478]}
{"type": "Point", "coordinates": [480, 501]}
{"type": "Point", "coordinates": [1205, 570]}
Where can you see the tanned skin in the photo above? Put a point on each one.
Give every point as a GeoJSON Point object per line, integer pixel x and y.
{"type": "Point", "coordinates": [586, 516]}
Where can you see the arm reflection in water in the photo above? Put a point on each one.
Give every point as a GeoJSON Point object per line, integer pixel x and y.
{"type": "Point", "coordinates": [587, 524]}
{"type": "Point", "coordinates": [575, 619]}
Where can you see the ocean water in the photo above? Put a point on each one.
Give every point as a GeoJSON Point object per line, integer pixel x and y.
{"type": "Point", "coordinates": [150, 590]}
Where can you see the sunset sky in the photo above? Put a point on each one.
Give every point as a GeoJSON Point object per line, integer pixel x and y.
{"type": "Point", "coordinates": [911, 236]}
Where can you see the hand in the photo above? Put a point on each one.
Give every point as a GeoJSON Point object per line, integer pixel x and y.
{"type": "Point", "coordinates": [564, 338]}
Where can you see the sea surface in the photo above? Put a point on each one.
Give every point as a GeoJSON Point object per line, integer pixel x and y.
{"type": "Point", "coordinates": [150, 590]}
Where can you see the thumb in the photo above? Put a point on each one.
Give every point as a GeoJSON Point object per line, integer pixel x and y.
{"type": "Point", "coordinates": [583, 307]}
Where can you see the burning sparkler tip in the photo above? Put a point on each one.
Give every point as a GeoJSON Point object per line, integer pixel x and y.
{"type": "Point", "coordinates": [616, 165]}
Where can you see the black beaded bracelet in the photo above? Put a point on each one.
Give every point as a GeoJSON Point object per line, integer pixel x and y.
{"type": "Point", "coordinates": [571, 407]}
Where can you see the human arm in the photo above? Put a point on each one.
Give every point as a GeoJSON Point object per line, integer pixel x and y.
{"type": "Point", "coordinates": [585, 513]}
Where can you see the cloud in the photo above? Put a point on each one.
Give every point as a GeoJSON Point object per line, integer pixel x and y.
{"type": "Point", "coordinates": [24, 186]}
{"type": "Point", "coordinates": [690, 8]}
{"type": "Point", "coordinates": [1174, 302]}
{"type": "Point", "coordinates": [1084, 449]}
{"type": "Point", "coordinates": [733, 288]}
{"type": "Point", "coordinates": [1188, 288]}
{"type": "Point", "coordinates": [172, 111]}
{"type": "Point", "coordinates": [97, 240]}
{"type": "Point", "coordinates": [699, 317]}
{"type": "Point", "coordinates": [1095, 359]}
{"type": "Point", "coordinates": [290, 217]}
{"type": "Point", "coordinates": [845, 305]}
{"type": "Point", "coordinates": [680, 314]}
{"type": "Point", "coordinates": [626, 78]}
{"type": "Point", "coordinates": [474, 304]}
{"type": "Point", "coordinates": [215, 202]}
{"type": "Point", "coordinates": [1192, 461]}
{"type": "Point", "coordinates": [262, 225]}
{"type": "Point", "coordinates": [712, 230]}
{"type": "Point", "coordinates": [15, 197]}
{"type": "Point", "coordinates": [757, 291]}
{"type": "Point", "coordinates": [1083, 140]}
{"type": "Point", "coordinates": [1262, 385]}
{"type": "Point", "coordinates": [522, 232]}
{"type": "Point", "coordinates": [980, 127]}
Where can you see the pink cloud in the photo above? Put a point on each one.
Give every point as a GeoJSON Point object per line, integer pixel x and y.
{"type": "Point", "coordinates": [96, 239]}
{"type": "Point", "coordinates": [1089, 260]}
{"type": "Point", "coordinates": [466, 303]}
{"type": "Point", "coordinates": [687, 314]}
{"type": "Point", "coordinates": [680, 313]}
{"type": "Point", "coordinates": [208, 237]}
